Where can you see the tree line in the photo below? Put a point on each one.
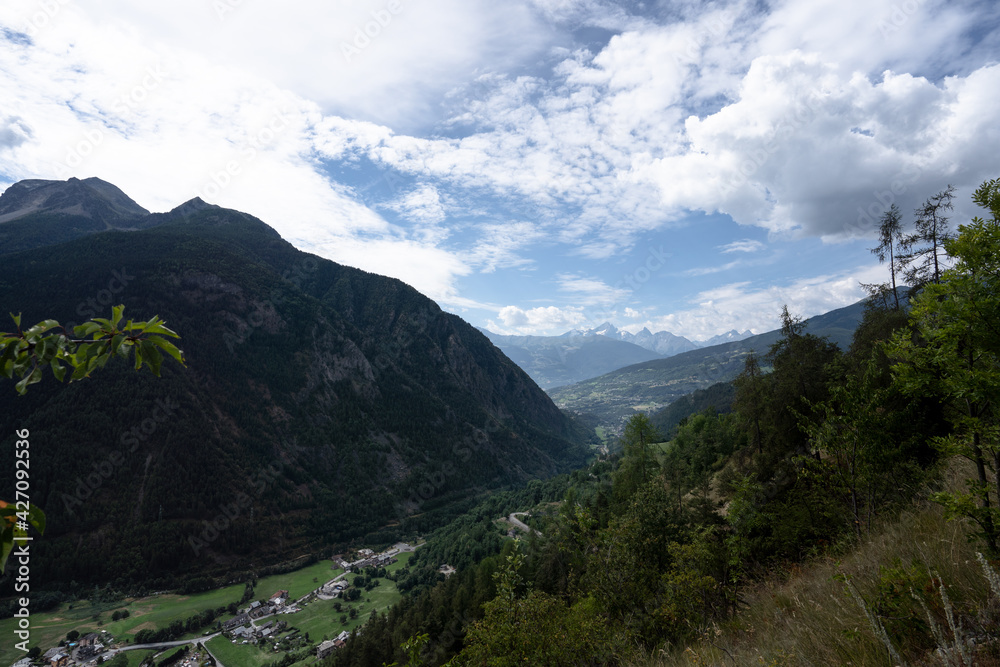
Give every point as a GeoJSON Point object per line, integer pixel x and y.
{"type": "Point", "coordinates": [649, 548]}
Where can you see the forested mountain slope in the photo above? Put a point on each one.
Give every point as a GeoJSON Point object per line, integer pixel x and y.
{"type": "Point", "coordinates": [319, 403]}
{"type": "Point", "coordinates": [652, 385]}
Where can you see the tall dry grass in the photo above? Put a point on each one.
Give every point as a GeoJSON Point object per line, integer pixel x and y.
{"type": "Point", "coordinates": [920, 597]}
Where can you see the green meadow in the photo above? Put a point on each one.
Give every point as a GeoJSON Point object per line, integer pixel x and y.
{"type": "Point", "coordinates": [158, 611]}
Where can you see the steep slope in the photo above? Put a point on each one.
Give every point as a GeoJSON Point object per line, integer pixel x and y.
{"type": "Point", "coordinates": [655, 384]}
{"type": "Point", "coordinates": [553, 361]}
{"type": "Point", "coordinates": [319, 403]}
{"type": "Point", "coordinates": [36, 213]}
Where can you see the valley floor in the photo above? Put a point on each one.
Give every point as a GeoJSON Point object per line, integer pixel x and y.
{"type": "Point", "coordinates": [317, 619]}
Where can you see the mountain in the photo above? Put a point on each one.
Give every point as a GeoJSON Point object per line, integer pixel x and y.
{"type": "Point", "coordinates": [652, 385]}
{"type": "Point", "coordinates": [730, 336]}
{"type": "Point", "coordinates": [553, 361]}
{"type": "Point", "coordinates": [319, 403]}
{"type": "Point", "coordinates": [663, 343]}
{"type": "Point", "coordinates": [34, 213]}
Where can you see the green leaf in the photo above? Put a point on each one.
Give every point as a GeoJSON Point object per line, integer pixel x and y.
{"type": "Point", "coordinates": [116, 343]}
{"type": "Point", "coordinates": [168, 347]}
{"type": "Point", "coordinates": [42, 327]}
{"type": "Point", "coordinates": [58, 370]}
{"type": "Point", "coordinates": [17, 319]}
{"type": "Point", "coordinates": [86, 329]}
{"type": "Point", "coordinates": [158, 328]}
{"type": "Point", "coordinates": [79, 372]}
{"type": "Point", "coordinates": [151, 356]}
{"type": "Point", "coordinates": [31, 378]}
{"type": "Point", "coordinates": [116, 315]}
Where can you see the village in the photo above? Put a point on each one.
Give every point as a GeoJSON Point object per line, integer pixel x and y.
{"type": "Point", "coordinates": [267, 624]}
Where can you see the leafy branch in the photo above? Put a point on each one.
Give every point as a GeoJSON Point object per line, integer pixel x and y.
{"type": "Point", "coordinates": [26, 353]}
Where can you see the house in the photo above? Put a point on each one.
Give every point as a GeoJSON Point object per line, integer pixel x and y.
{"type": "Point", "coordinates": [242, 632]}
{"type": "Point", "coordinates": [260, 610]}
{"type": "Point", "coordinates": [89, 639]}
{"type": "Point", "coordinates": [23, 662]}
{"type": "Point", "coordinates": [279, 598]}
{"type": "Point", "coordinates": [241, 619]}
{"type": "Point", "coordinates": [325, 649]}
{"type": "Point", "coordinates": [59, 660]}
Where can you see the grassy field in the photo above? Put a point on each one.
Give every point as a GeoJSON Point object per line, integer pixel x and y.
{"type": "Point", "coordinates": [158, 611]}
{"type": "Point", "coordinates": [239, 655]}
{"type": "Point", "coordinates": [299, 582]}
{"type": "Point", "coordinates": [135, 658]}
{"type": "Point", "coordinates": [150, 612]}
{"type": "Point", "coordinates": [319, 618]}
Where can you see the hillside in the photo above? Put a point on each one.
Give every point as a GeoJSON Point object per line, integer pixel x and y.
{"type": "Point", "coordinates": [319, 403]}
{"type": "Point", "coordinates": [554, 361]}
{"type": "Point", "coordinates": [35, 213]}
{"type": "Point", "coordinates": [652, 385]}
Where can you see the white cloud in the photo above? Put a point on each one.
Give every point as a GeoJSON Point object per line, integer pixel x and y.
{"type": "Point", "coordinates": [591, 291]}
{"type": "Point", "coordinates": [766, 159]}
{"type": "Point", "coordinates": [498, 245]}
{"type": "Point", "coordinates": [742, 305]}
{"type": "Point", "coordinates": [743, 245]}
{"type": "Point", "coordinates": [540, 321]}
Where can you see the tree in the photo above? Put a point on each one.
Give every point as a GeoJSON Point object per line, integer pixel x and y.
{"type": "Point", "coordinates": [889, 235]}
{"type": "Point", "coordinates": [637, 462]}
{"type": "Point", "coordinates": [925, 248]}
{"type": "Point", "coordinates": [953, 354]}
{"type": "Point", "coordinates": [751, 399]}
{"type": "Point", "coordinates": [536, 629]}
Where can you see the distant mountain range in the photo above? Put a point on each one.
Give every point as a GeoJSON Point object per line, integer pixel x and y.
{"type": "Point", "coordinates": [580, 354]}
{"type": "Point", "coordinates": [663, 343]}
{"type": "Point", "coordinates": [319, 404]}
{"type": "Point", "coordinates": [650, 386]}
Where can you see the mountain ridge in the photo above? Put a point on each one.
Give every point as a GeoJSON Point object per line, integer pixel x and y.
{"type": "Point", "coordinates": [652, 385]}
{"type": "Point", "coordinates": [377, 410]}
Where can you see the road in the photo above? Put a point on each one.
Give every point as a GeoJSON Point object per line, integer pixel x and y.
{"type": "Point", "coordinates": [162, 645]}
{"type": "Point", "coordinates": [520, 524]}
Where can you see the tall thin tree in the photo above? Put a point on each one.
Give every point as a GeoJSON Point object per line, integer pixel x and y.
{"type": "Point", "coordinates": [889, 233]}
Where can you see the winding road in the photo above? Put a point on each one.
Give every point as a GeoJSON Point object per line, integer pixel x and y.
{"type": "Point", "coordinates": [520, 524]}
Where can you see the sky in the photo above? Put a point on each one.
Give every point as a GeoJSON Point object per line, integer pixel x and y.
{"type": "Point", "coordinates": [533, 166]}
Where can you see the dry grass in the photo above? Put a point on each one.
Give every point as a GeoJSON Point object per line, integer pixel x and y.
{"type": "Point", "coordinates": [805, 615]}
